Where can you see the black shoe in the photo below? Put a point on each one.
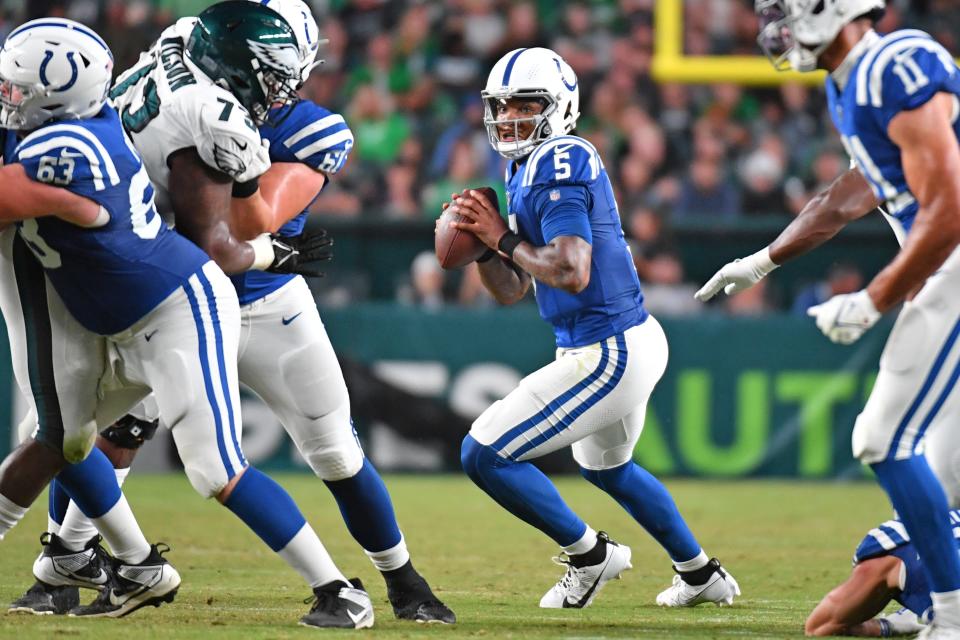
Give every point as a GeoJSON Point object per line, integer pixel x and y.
{"type": "Point", "coordinates": [151, 582]}
{"type": "Point", "coordinates": [341, 606]}
{"type": "Point", "coordinates": [43, 599]}
{"type": "Point", "coordinates": [59, 566]}
{"type": "Point", "coordinates": [413, 599]}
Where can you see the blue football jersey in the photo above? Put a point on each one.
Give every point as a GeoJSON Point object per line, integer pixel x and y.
{"type": "Point", "coordinates": [316, 137]}
{"type": "Point", "coordinates": [562, 189]}
{"type": "Point", "coordinates": [109, 276]}
{"type": "Point", "coordinates": [898, 72]}
{"type": "Point", "coordinates": [891, 539]}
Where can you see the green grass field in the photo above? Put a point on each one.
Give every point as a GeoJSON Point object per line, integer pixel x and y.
{"type": "Point", "coordinates": [786, 543]}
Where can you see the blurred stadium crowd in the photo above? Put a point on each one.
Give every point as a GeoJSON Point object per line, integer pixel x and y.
{"type": "Point", "coordinates": [407, 75]}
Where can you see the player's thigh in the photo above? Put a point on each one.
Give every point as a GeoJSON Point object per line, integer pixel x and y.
{"type": "Point", "coordinates": [580, 393]}
{"type": "Point", "coordinates": [57, 363]}
{"type": "Point", "coordinates": [611, 446]}
{"type": "Point", "coordinates": [292, 366]}
{"type": "Point", "coordinates": [917, 372]}
{"type": "Point", "coordinates": [190, 364]}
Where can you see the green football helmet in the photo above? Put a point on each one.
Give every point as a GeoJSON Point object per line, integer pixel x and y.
{"type": "Point", "coordinates": [251, 51]}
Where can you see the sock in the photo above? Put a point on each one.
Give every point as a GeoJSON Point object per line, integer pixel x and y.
{"type": "Point", "coordinates": [76, 529]}
{"type": "Point", "coordinates": [390, 559]}
{"type": "Point", "coordinates": [308, 557]}
{"type": "Point", "coordinates": [10, 514]}
{"type": "Point", "coordinates": [922, 506]}
{"type": "Point", "coordinates": [523, 490]}
{"type": "Point", "coordinates": [583, 545]}
{"type": "Point", "coordinates": [367, 510]}
{"type": "Point", "coordinates": [648, 501]}
{"type": "Point", "coordinates": [946, 606]}
{"type": "Point", "coordinates": [700, 575]}
{"type": "Point", "coordinates": [58, 501]}
{"type": "Point", "coordinates": [271, 513]}
{"type": "Point", "coordinates": [699, 562]}
{"type": "Point", "coordinates": [120, 529]}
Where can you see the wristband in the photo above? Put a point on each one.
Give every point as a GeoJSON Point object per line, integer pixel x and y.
{"type": "Point", "coordinates": [263, 255]}
{"type": "Point", "coordinates": [246, 189]}
{"type": "Point", "coordinates": [508, 243]}
{"type": "Point", "coordinates": [764, 261]}
{"type": "Point", "coordinates": [487, 255]}
{"type": "Point", "coordinates": [885, 628]}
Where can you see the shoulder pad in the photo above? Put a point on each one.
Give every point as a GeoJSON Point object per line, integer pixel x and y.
{"type": "Point", "coordinates": [312, 135]}
{"type": "Point", "coordinates": [567, 159]}
{"type": "Point", "coordinates": [225, 135]}
{"type": "Point", "coordinates": [67, 154]}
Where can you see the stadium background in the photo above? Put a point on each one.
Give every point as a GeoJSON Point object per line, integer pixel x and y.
{"type": "Point", "coordinates": [704, 172]}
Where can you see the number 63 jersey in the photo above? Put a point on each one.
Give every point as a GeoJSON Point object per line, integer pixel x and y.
{"type": "Point", "coordinates": [882, 77]}
{"type": "Point", "coordinates": [114, 273]}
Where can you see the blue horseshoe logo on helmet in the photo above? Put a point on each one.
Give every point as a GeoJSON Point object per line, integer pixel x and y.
{"type": "Point", "coordinates": [569, 86]}
{"type": "Point", "coordinates": [74, 72]}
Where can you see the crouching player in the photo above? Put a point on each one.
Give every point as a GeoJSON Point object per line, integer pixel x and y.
{"type": "Point", "coordinates": [566, 234]}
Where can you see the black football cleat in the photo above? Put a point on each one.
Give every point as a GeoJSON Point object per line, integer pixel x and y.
{"type": "Point", "coordinates": [413, 599]}
{"type": "Point", "coordinates": [43, 599]}
{"type": "Point", "coordinates": [151, 582]}
{"type": "Point", "coordinates": [339, 606]}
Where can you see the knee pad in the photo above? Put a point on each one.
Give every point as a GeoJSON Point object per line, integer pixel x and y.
{"type": "Point", "coordinates": [206, 481]}
{"type": "Point", "coordinates": [477, 458]}
{"type": "Point", "coordinates": [869, 443]}
{"type": "Point", "coordinates": [129, 432]}
{"type": "Point", "coordinates": [334, 455]}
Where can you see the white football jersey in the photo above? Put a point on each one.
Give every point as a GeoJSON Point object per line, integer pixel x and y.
{"type": "Point", "coordinates": [166, 104]}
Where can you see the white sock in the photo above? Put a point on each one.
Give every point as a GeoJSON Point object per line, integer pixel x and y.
{"type": "Point", "coordinates": [120, 529]}
{"type": "Point", "coordinates": [392, 558]}
{"type": "Point", "coordinates": [308, 557]}
{"type": "Point", "coordinates": [698, 562]}
{"type": "Point", "coordinates": [52, 525]}
{"type": "Point", "coordinates": [946, 608]}
{"type": "Point", "coordinates": [77, 528]}
{"type": "Point", "coordinates": [10, 514]}
{"type": "Point", "coordinates": [584, 544]}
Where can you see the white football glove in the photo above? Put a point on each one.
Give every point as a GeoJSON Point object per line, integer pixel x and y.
{"type": "Point", "coordinates": [738, 275]}
{"type": "Point", "coordinates": [902, 622]}
{"type": "Point", "coordinates": [846, 317]}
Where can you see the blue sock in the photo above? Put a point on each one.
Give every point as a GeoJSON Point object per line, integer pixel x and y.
{"type": "Point", "coordinates": [648, 501]}
{"type": "Point", "coordinates": [92, 484]}
{"type": "Point", "coordinates": [366, 509]}
{"type": "Point", "coordinates": [922, 507]}
{"type": "Point", "coordinates": [58, 501]}
{"type": "Point", "coordinates": [266, 508]}
{"type": "Point", "coordinates": [523, 490]}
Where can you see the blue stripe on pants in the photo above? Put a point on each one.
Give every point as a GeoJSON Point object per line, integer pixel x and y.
{"type": "Point", "coordinates": [924, 390]}
{"type": "Point", "coordinates": [577, 411]}
{"type": "Point", "coordinates": [224, 383]}
{"type": "Point", "coordinates": [208, 381]}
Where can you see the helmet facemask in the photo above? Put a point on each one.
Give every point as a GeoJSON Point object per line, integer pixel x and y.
{"type": "Point", "coordinates": [776, 38]}
{"type": "Point", "coordinates": [14, 106]}
{"type": "Point", "coordinates": [518, 148]}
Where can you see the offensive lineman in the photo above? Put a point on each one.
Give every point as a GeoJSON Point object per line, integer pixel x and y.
{"type": "Point", "coordinates": [286, 357]}
{"type": "Point", "coordinates": [196, 314]}
{"type": "Point", "coordinates": [565, 233]}
{"type": "Point", "coordinates": [894, 100]}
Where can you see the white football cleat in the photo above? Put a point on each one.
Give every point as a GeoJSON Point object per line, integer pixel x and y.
{"type": "Point", "coordinates": [720, 588]}
{"type": "Point", "coordinates": [580, 585]}
{"type": "Point", "coordinates": [58, 566]}
{"type": "Point", "coordinates": [132, 586]}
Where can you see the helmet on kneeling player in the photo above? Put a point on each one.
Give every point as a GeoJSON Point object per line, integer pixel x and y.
{"type": "Point", "coordinates": [531, 75]}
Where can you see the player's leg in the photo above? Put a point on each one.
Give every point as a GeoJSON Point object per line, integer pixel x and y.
{"type": "Point", "coordinates": [287, 360]}
{"type": "Point", "coordinates": [918, 370]}
{"type": "Point", "coordinates": [190, 363]}
{"type": "Point", "coordinates": [605, 458]}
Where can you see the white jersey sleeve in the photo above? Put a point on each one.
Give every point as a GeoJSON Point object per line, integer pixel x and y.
{"type": "Point", "coordinates": [166, 104]}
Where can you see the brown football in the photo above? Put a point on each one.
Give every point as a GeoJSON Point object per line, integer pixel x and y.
{"type": "Point", "coordinates": [456, 248]}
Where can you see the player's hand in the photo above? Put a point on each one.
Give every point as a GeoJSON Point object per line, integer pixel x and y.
{"type": "Point", "coordinates": [291, 254]}
{"type": "Point", "coordinates": [738, 275]}
{"type": "Point", "coordinates": [846, 317]}
{"type": "Point", "coordinates": [484, 219]}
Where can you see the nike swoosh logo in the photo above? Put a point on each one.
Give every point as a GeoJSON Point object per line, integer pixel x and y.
{"type": "Point", "coordinates": [563, 149]}
{"type": "Point", "coordinates": [69, 154]}
{"type": "Point", "coordinates": [242, 147]}
{"type": "Point", "coordinates": [150, 335]}
{"type": "Point", "coordinates": [287, 321]}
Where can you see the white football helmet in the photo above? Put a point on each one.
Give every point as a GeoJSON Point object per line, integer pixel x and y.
{"type": "Point", "coordinates": [300, 18]}
{"type": "Point", "coordinates": [532, 73]}
{"type": "Point", "coordinates": [52, 68]}
{"type": "Point", "coordinates": [793, 33]}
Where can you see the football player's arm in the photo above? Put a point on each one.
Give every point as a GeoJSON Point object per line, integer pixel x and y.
{"type": "Point", "coordinates": [563, 263]}
{"type": "Point", "coordinates": [849, 609]}
{"type": "Point", "coordinates": [848, 198]}
{"type": "Point", "coordinates": [931, 165]}
{"type": "Point", "coordinates": [285, 190]}
{"type": "Point", "coordinates": [201, 198]}
{"type": "Point", "coordinates": [35, 199]}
